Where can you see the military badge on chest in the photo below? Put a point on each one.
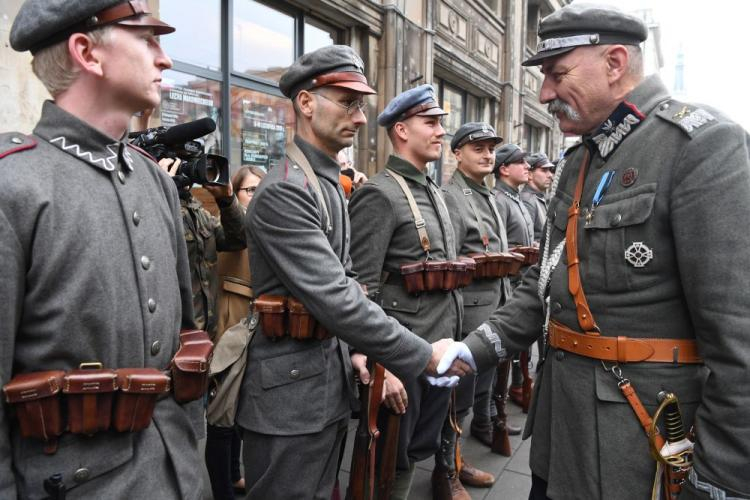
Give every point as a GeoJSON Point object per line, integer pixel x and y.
{"type": "Point", "coordinates": [638, 254]}
{"type": "Point", "coordinates": [619, 125]}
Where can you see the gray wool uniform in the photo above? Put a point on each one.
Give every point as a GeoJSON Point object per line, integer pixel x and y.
{"type": "Point", "coordinates": [94, 269]}
{"type": "Point", "coordinates": [536, 206]}
{"type": "Point", "coordinates": [518, 222]}
{"type": "Point", "coordinates": [384, 237]}
{"type": "Point", "coordinates": [296, 395]}
{"type": "Point", "coordinates": [681, 189]}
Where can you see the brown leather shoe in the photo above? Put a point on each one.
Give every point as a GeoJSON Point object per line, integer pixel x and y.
{"type": "Point", "coordinates": [512, 429]}
{"type": "Point", "coordinates": [471, 476]}
{"type": "Point", "coordinates": [482, 433]}
{"type": "Point", "coordinates": [515, 394]}
{"type": "Point", "coordinates": [446, 486]}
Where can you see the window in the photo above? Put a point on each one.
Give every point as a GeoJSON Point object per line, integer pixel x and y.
{"type": "Point", "coordinates": [197, 40]}
{"type": "Point", "coordinates": [263, 40]}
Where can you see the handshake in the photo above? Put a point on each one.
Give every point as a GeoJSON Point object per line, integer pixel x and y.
{"type": "Point", "coordinates": [450, 361]}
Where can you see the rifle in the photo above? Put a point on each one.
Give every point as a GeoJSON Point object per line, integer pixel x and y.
{"type": "Point", "coordinates": [526, 398]}
{"type": "Point", "coordinates": [389, 450]}
{"type": "Point", "coordinates": [362, 478]}
{"type": "Point", "coordinates": [500, 439]}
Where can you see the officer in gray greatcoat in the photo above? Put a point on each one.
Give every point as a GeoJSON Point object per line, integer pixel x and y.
{"type": "Point", "coordinates": [386, 234]}
{"type": "Point", "coordinates": [296, 396]}
{"type": "Point", "coordinates": [94, 262]}
{"type": "Point", "coordinates": [533, 194]}
{"type": "Point", "coordinates": [645, 284]}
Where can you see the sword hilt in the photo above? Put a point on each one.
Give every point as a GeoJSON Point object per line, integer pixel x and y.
{"type": "Point", "coordinates": [673, 425]}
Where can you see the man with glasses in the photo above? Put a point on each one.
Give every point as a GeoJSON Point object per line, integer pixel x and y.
{"type": "Point", "coordinates": [94, 264]}
{"type": "Point", "coordinates": [298, 387]}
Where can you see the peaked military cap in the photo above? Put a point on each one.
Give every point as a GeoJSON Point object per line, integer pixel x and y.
{"type": "Point", "coordinates": [41, 23]}
{"type": "Point", "coordinates": [473, 132]}
{"type": "Point", "coordinates": [539, 160]}
{"type": "Point", "coordinates": [419, 101]}
{"type": "Point", "coordinates": [583, 24]}
{"type": "Point", "coordinates": [507, 154]}
{"type": "Point", "coordinates": [336, 65]}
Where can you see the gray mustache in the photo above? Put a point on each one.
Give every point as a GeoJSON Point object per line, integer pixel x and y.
{"type": "Point", "coordinates": [557, 105]}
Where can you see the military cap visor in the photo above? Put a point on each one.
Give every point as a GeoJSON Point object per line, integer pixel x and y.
{"type": "Point", "coordinates": [581, 25]}
{"type": "Point", "coordinates": [332, 65]}
{"type": "Point", "coordinates": [508, 154]}
{"type": "Point", "coordinates": [42, 23]}
{"type": "Point", "coordinates": [539, 160]}
{"type": "Point", "coordinates": [474, 132]}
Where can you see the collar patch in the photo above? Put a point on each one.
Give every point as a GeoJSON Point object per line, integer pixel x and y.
{"type": "Point", "coordinates": [619, 125]}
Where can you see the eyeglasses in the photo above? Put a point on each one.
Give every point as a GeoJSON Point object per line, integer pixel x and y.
{"type": "Point", "coordinates": [359, 104]}
{"type": "Point", "coordinates": [248, 190]}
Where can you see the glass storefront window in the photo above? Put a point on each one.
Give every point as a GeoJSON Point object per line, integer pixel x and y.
{"type": "Point", "coordinates": [198, 37]}
{"type": "Point", "coordinates": [263, 40]}
{"type": "Point", "coordinates": [318, 35]}
{"type": "Point", "coordinates": [453, 103]}
{"type": "Point", "coordinates": [185, 98]}
{"type": "Point", "coordinates": [262, 125]}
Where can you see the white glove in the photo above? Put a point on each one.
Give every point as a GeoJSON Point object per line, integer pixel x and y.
{"type": "Point", "coordinates": [443, 381]}
{"type": "Point", "coordinates": [456, 350]}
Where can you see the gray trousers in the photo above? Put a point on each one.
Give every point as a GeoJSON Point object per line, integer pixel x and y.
{"type": "Point", "coordinates": [303, 466]}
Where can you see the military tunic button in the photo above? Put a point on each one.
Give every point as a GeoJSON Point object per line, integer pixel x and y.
{"type": "Point", "coordinates": [615, 220]}
{"type": "Point", "coordinates": [145, 262]}
{"type": "Point", "coordinates": [121, 176]}
{"type": "Point", "coordinates": [155, 347]}
{"type": "Point", "coordinates": [664, 106]}
{"type": "Point", "coordinates": [151, 305]}
{"type": "Point", "coordinates": [394, 303]}
{"type": "Point", "coordinates": [16, 140]}
{"type": "Point", "coordinates": [136, 218]}
{"type": "Point", "coordinates": [476, 301]}
{"type": "Point", "coordinates": [294, 374]}
{"type": "Point", "coordinates": [557, 307]}
{"type": "Point", "coordinates": [559, 355]}
{"type": "Point", "coordinates": [81, 475]}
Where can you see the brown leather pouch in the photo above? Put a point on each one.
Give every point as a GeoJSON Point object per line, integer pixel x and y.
{"type": "Point", "coordinates": [516, 263]}
{"type": "Point", "coordinates": [301, 323]}
{"type": "Point", "coordinates": [36, 399]}
{"type": "Point", "coordinates": [190, 369]}
{"type": "Point", "coordinates": [481, 261]}
{"type": "Point", "coordinates": [468, 275]}
{"type": "Point", "coordinates": [136, 399]}
{"type": "Point", "coordinates": [454, 275]}
{"type": "Point", "coordinates": [530, 254]}
{"type": "Point", "coordinates": [413, 276]}
{"type": "Point", "coordinates": [90, 391]}
{"type": "Point", "coordinates": [271, 314]}
{"type": "Point", "coordinates": [189, 336]}
{"type": "Point", "coordinates": [506, 260]}
{"type": "Point", "coordinates": [494, 265]}
{"type": "Point", "coordinates": [434, 274]}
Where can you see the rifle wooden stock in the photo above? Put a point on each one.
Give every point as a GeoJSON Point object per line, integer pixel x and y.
{"type": "Point", "coordinates": [362, 477]}
{"type": "Point", "coordinates": [526, 398]}
{"type": "Point", "coordinates": [389, 450]}
{"type": "Point", "coordinates": [500, 438]}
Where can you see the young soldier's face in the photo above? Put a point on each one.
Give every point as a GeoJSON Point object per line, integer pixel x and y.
{"type": "Point", "coordinates": [425, 137]}
{"type": "Point", "coordinates": [476, 159]}
{"type": "Point", "coordinates": [132, 62]}
{"type": "Point", "coordinates": [541, 178]}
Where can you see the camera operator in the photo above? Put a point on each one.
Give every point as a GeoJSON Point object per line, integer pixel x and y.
{"type": "Point", "coordinates": [205, 235]}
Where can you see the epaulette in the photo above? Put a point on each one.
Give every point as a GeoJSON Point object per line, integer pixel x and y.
{"type": "Point", "coordinates": [13, 142]}
{"type": "Point", "coordinates": [143, 152]}
{"type": "Point", "coordinates": [688, 117]}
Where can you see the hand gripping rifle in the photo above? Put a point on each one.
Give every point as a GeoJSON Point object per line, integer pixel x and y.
{"type": "Point", "coordinates": [362, 478]}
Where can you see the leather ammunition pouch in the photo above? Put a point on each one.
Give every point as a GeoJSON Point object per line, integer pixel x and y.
{"type": "Point", "coordinates": [281, 316]}
{"type": "Point", "coordinates": [135, 402]}
{"type": "Point", "coordinates": [437, 275]}
{"type": "Point", "coordinates": [530, 254]}
{"type": "Point", "coordinates": [35, 397]}
{"type": "Point", "coordinates": [494, 265]}
{"type": "Point", "coordinates": [90, 392]}
{"type": "Point", "coordinates": [190, 365]}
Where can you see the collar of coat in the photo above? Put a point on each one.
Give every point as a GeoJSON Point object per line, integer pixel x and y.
{"type": "Point", "coordinates": [322, 164]}
{"type": "Point", "coordinates": [479, 188]}
{"type": "Point", "coordinates": [81, 140]}
{"type": "Point", "coordinates": [507, 190]}
{"type": "Point", "coordinates": [406, 169]}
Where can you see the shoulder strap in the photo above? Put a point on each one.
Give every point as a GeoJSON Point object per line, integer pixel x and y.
{"type": "Point", "coordinates": [424, 240]}
{"type": "Point", "coordinates": [468, 193]}
{"type": "Point", "coordinates": [294, 153]}
{"type": "Point", "coordinates": [585, 318]}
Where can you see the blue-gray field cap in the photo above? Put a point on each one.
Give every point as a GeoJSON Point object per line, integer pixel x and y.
{"type": "Point", "coordinates": [41, 23]}
{"type": "Point", "coordinates": [507, 154]}
{"type": "Point", "coordinates": [584, 24]}
{"type": "Point", "coordinates": [473, 132]}
{"type": "Point", "coordinates": [539, 160]}
{"type": "Point", "coordinates": [336, 65]}
{"type": "Point", "coordinates": [419, 101]}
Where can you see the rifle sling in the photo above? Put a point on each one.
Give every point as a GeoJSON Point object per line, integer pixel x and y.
{"type": "Point", "coordinates": [294, 153]}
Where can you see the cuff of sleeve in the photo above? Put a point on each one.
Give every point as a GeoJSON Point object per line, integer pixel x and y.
{"type": "Point", "coordinates": [485, 346]}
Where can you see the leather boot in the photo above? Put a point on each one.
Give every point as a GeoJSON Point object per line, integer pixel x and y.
{"type": "Point", "coordinates": [501, 431]}
{"type": "Point", "coordinates": [471, 476]}
{"type": "Point", "coordinates": [516, 395]}
{"type": "Point", "coordinates": [445, 482]}
{"type": "Point", "coordinates": [482, 432]}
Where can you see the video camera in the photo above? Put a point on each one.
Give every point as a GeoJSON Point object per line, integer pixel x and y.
{"type": "Point", "coordinates": [179, 142]}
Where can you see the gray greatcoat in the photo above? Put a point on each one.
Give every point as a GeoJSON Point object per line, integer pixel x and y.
{"type": "Point", "coordinates": [94, 269]}
{"type": "Point", "coordinates": [689, 196]}
{"type": "Point", "coordinates": [301, 388]}
{"type": "Point", "coordinates": [518, 222]}
{"type": "Point", "coordinates": [536, 205]}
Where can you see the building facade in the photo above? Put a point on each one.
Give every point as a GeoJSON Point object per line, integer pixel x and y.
{"type": "Point", "coordinates": [229, 54]}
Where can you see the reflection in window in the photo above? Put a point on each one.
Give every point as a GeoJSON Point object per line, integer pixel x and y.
{"type": "Point", "coordinates": [262, 125]}
{"type": "Point", "coordinates": [198, 37]}
{"type": "Point", "coordinates": [318, 35]}
{"type": "Point", "coordinates": [453, 103]}
{"type": "Point", "coordinates": [263, 40]}
{"type": "Point", "coordinates": [185, 98]}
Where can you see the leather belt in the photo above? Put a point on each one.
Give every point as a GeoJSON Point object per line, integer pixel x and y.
{"type": "Point", "coordinates": [623, 349]}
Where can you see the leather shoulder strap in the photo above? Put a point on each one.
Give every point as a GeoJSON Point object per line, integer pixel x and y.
{"type": "Point", "coordinates": [419, 223]}
{"type": "Point", "coordinates": [294, 153]}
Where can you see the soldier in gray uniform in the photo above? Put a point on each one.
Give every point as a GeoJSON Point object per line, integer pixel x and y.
{"type": "Point", "coordinates": [511, 172]}
{"type": "Point", "coordinates": [533, 195]}
{"type": "Point", "coordinates": [478, 229]}
{"type": "Point", "coordinates": [385, 236]}
{"type": "Point", "coordinates": [296, 395]}
{"type": "Point", "coordinates": [94, 262]}
{"type": "Point", "coordinates": [655, 263]}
